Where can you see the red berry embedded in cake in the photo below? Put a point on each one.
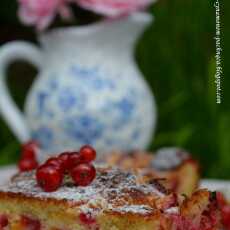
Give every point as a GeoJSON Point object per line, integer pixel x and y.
{"type": "Point", "coordinates": [87, 153]}
{"type": "Point", "coordinates": [225, 209]}
{"type": "Point", "coordinates": [87, 218]}
{"type": "Point", "coordinates": [30, 224]}
{"type": "Point", "coordinates": [226, 216]}
{"type": "Point", "coordinates": [27, 164]}
{"type": "Point", "coordinates": [221, 199]}
{"type": "Point", "coordinates": [49, 177]}
{"type": "Point", "coordinates": [75, 159]}
{"type": "Point", "coordinates": [83, 174]}
{"type": "Point", "coordinates": [3, 221]}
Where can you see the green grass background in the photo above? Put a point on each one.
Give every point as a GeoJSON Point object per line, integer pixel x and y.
{"type": "Point", "coordinates": [177, 57]}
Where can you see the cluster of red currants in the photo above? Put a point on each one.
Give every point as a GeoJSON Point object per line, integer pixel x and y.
{"type": "Point", "coordinates": [78, 164]}
{"type": "Point", "coordinates": [28, 159]}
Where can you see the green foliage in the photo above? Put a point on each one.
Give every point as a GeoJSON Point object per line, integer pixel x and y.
{"type": "Point", "coordinates": [177, 56]}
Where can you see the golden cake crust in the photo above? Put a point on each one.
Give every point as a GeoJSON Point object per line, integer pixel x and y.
{"type": "Point", "coordinates": [116, 200]}
{"type": "Point", "coordinates": [173, 164]}
{"type": "Point", "coordinates": [112, 188]}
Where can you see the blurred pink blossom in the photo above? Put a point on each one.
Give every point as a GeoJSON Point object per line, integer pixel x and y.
{"type": "Point", "coordinates": [41, 12]}
{"type": "Point", "coordinates": [114, 8]}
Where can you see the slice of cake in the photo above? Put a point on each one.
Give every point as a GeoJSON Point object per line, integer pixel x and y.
{"type": "Point", "coordinates": [224, 205]}
{"type": "Point", "coordinates": [115, 200]}
{"type": "Point", "coordinates": [177, 169]}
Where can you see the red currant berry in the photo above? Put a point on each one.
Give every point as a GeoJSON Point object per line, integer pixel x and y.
{"type": "Point", "coordinates": [65, 159]}
{"type": "Point", "coordinates": [226, 216]}
{"type": "Point", "coordinates": [221, 199]}
{"type": "Point", "coordinates": [30, 145]}
{"type": "Point", "coordinates": [27, 164]}
{"type": "Point", "coordinates": [29, 150]}
{"type": "Point", "coordinates": [31, 224]}
{"type": "Point", "coordinates": [3, 221]}
{"type": "Point", "coordinates": [28, 154]}
{"type": "Point", "coordinates": [54, 161]}
{"type": "Point", "coordinates": [75, 159]}
{"type": "Point", "coordinates": [87, 153]}
{"type": "Point", "coordinates": [83, 174]}
{"type": "Point", "coordinates": [87, 218]}
{"type": "Point", "coordinates": [49, 178]}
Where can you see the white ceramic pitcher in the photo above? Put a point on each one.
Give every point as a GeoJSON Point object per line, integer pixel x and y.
{"type": "Point", "coordinates": [89, 89]}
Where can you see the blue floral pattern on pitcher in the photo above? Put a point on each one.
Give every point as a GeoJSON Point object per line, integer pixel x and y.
{"type": "Point", "coordinates": [93, 78]}
{"type": "Point", "coordinates": [68, 99]}
{"type": "Point", "coordinates": [87, 117]}
{"type": "Point", "coordinates": [44, 136]}
{"type": "Point", "coordinates": [85, 129]}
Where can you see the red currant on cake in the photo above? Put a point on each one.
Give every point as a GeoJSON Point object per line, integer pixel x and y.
{"type": "Point", "coordinates": [27, 164]}
{"type": "Point", "coordinates": [75, 159]}
{"type": "Point", "coordinates": [65, 159]}
{"type": "Point", "coordinates": [49, 178]}
{"type": "Point", "coordinates": [56, 162]}
{"type": "Point", "coordinates": [28, 159]}
{"type": "Point", "coordinates": [87, 153]}
{"type": "Point", "coordinates": [30, 144]}
{"type": "Point", "coordinates": [29, 149]}
{"type": "Point", "coordinates": [83, 174]}
{"type": "Point", "coordinates": [87, 218]}
{"type": "Point", "coordinates": [226, 216]}
{"type": "Point", "coordinates": [30, 224]}
{"type": "Point", "coordinates": [50, 175]}
{"type": "Point", "coordinates": [225, 209]}
{"type": "Point", "coordinates": [3, 221]}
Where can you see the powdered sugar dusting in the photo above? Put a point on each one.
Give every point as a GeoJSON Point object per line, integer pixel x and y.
{"type": "Point", "coordinates": [112, 189]}
{"type": "Point", "coordinates": [169, 158]}
{"type": "Point", "coordinates": [172, 210]}
{"type": "Point", "coordinates": [134, 209]}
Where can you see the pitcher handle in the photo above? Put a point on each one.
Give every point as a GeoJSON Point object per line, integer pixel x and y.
{"type": "Point", "coordinates": [13, 116]}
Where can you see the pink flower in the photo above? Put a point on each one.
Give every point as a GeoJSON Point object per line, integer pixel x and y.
{"type": "Point", "coordinates": [114, 8]}
{"type": "Point", "coordinates": [41, 12]}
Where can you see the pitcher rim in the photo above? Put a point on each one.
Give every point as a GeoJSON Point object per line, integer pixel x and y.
{"type": "Point", "coordinates": [90, 28]}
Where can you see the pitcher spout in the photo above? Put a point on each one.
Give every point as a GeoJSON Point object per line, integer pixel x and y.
{"type": "Point", "coordinates": [128, 30]}
{"type": "Point", "coordinates": [125, 32]}
{"type": "Point", "coordinates": [138, 22]}
{"type": "Point", "coordinates": [111, 36]}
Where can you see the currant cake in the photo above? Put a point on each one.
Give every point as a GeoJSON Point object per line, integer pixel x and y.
{"type": "Point", "coordinates": [177, 169]}
{"type": "Point", "coordinates": [115, 200]}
